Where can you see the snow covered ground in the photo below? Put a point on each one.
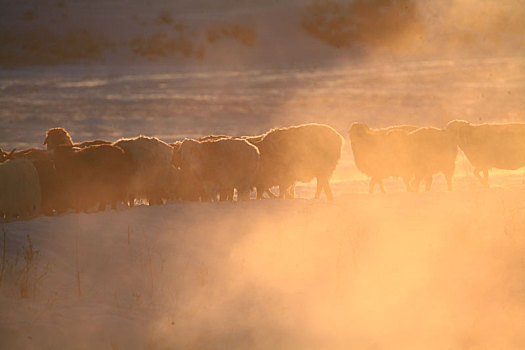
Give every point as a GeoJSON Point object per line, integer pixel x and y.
{"type": "Point", "coordinates": [397, 271]}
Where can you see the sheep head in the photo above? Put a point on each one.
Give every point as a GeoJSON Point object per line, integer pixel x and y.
{"type": "Point", "coordinates": [191, 157]}
{"type": "Point", "coordinates": [460, 131]}
{"type": "Point", "coordinates": [57, 136]}
{"type": "Point", "coordinates": [3, 155]}
{"type": "Point", "coordinates": [358, 130]}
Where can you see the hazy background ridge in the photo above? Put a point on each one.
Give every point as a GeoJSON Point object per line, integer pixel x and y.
{"type": "Point", "coordinates": [248, 33]}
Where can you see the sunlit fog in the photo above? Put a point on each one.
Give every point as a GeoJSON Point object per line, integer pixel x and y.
{"type": "Point", "coordinates": [250, 174]}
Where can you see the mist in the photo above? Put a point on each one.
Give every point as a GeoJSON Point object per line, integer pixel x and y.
{"type": "Point", "coordinates": [433, 270]}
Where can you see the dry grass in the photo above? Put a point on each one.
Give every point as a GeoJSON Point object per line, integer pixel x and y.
{"type": "Point", "coordinates": [244, 34]}
{"type": "Point", "coordinates": [29, 15]}
{"type": "Point", "coordinates": [32, 274]}
{"type": "Point", "coordinates": [166, 17]}
{"type": "Point", "coordinates": [162, 45]}
{"type": "Point", "coordinates": [375, 22]}
{"type": "Point", "coordinates": [23, 277]}
{"type": "Point", "coordinates": [41, 46]}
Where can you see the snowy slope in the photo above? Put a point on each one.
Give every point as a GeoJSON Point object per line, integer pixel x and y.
{"type": "Point", "coordinates": [399, 271]}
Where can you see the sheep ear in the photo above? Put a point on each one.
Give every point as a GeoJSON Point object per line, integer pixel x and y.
{"type": "Point", "coordinates": [10, 154]}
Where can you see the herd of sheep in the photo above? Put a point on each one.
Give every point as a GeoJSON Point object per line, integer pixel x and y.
{"type": "Point", "coordinates": [416, 154]}
{"type": "Point", "coordinates": [95, 174]}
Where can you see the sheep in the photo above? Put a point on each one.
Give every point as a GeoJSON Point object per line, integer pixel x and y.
{"type": "Point", "coordinates": [56, 137]}
{"type": "Point", "coordinates": [184, 186]}
{"type": "Point", "coordinates": [488, 146]}
{"type": "Point", "coordinates": [30, 153]}
{"type": "Point", "coordinates": [93, 175]}
{"type": "Point", "coordinates": [188, 188]}
{"type": "Point", "coordinates": [60, 136]}
{"type": "Point", "coordinates": [221, 166]}
{"type": "Point", "coordinates": [3, 155]}
{"type": "Point", "coordinates": [20, 195]}
{"type": "Point", "coordinates": [45, 168]}
{"type": "Point", "coordinates": [152, 159]}
{"type": "Point", "coordinates": [254, 140]}
{"type": "Point", "coordinates": [298, 153]}
{"type": "Point", "coordinates": [49, 186]}
{"type": "Point", "coordinates": [213, 137]}
{"type": "Point", "coordinates": [379, 153]}
{"type": "Point", "coordinates": [431, 151]}
{"type": "Point", "coordinates": [176, 146]}
{"type": "Point", "coordinates": [91, 143]}
{"type": "Point", "coordinates": [175, 158]}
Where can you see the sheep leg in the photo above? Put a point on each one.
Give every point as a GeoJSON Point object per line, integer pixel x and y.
{"type": "Point", "coordinates": [260, 192]}
{"type": "Point", "coordinates": [154, 199]}
{"type": "Point", "coordinates": [131, 200]}
{"type": "Point", "coordinates": [372, 185]}
{"type": "Point", "coordinates": [406, 181]}
{"type": "Point", "coordinates": [320, 186]}
{"type": "Point", "coordinates": [318, 189]}
{"type": "Point", "coordinates": [486, 177]}
{"type": "Point", "coordinates": [204, 196]}
{"type": "Point", "coordinates": [271, 194]}
{"type": "Point", "coordinates": [483, 179]}
{"type": "Point", "coordinates": [291, 192]}
{"type": "Point", "coordinates": [225, 195]}
{"type": "Point", "coordinates": [282, 191]}
{"type": "Point", "coordinates": [78, 205]}
{"type": "Point", "coordinates": [322, 183]}
{"type": "Point", "coordinates": [477, 173]}
{"type": "Point", "coordinates": [373, 182]}
{"type": "Point", "coordinates": [416, 182]}
{"type": "Point", "coordinates": [448, 177]}
{"type": "Point", "coordinates": [114, 200]}
{"type": "Point", "coordinates": [328, 190]}
{"type": "Point", "coordinates": [428, 183]}
{"type": "Point", "coordinates": [243, 194]}
{"type": "Point", "coordinates": [286, 190]}
{"type": "Point", "coordinates": [380, 182]}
